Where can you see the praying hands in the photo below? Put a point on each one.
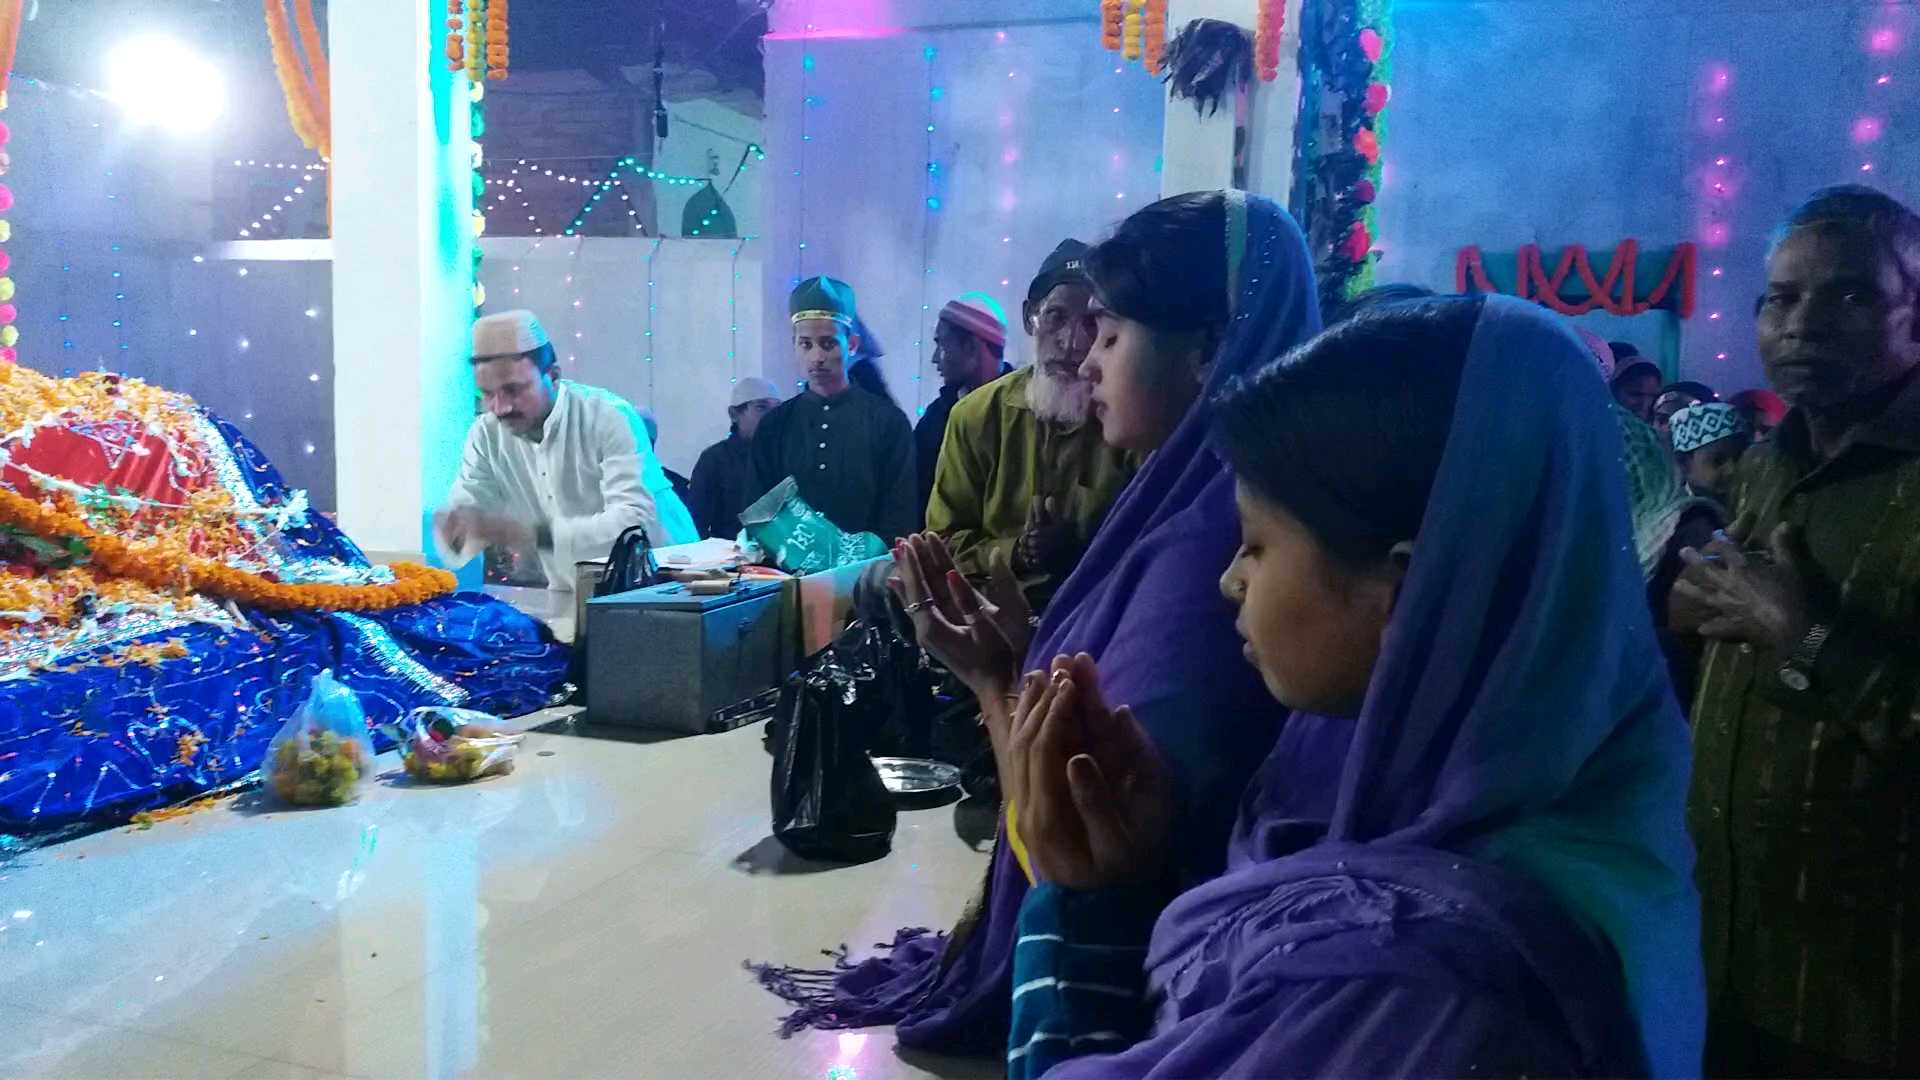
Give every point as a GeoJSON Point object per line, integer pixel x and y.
{"type": "Point", "coordinates": [1085, 788]}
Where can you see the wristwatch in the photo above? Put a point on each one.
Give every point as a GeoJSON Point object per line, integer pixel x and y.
{"type": "Point", "coordinates": [1797, 673]}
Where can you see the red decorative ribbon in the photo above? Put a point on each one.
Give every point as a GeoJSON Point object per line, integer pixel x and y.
{"type": "Point", "coordinates": [1614, 292]}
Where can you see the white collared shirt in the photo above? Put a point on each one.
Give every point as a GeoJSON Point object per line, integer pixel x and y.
{"type": "Point", "coordinates": [591, 475]}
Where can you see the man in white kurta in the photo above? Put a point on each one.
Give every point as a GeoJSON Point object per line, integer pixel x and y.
{"type": "Point", "coordinates": [555, 467]}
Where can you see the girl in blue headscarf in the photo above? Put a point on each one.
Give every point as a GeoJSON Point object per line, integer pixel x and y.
{"type": "Point", "coordinates": [1189, 292]}
{"type": "Point", "coordinates": [1501, 883]}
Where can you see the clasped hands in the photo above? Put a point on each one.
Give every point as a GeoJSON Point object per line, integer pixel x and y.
{"type": "Point", "coordinates": [1732, 594]}
{"type": "Point", "coordinates": [1092, 799]}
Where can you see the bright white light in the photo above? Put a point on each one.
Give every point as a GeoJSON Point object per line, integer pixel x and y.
{"type": "Point", "coordinates": [159, 81]}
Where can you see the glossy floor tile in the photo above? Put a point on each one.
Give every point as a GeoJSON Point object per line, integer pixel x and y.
{"type": "Point", "coordinates": [588, 915]}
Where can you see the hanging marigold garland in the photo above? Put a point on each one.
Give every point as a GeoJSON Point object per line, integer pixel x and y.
{"type": "Point", "coordinates": [307, 106]}
{"type": "Point", "coordinates": [476, 52]}
{"type": "Point", "coordinates": [496, 39]}
{"type": "Point", "coordinates": [160, 567]}
{"type": "Point", "coordinates": [456, 35]}
{"type": "Point", "coordinates": [1268, 25]}
{"type": "Point", "coordinates": [1133, 30]}
{"type": "Point", "coordinates": [1111, 25]}
{"type": "Point", "coordinates": [1156, 36]}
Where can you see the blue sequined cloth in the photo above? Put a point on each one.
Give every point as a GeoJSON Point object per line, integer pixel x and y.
{"type": "Point", "coordinates": [93, 744]}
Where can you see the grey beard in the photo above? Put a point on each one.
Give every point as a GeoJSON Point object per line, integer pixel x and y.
{"type": "Point", "coordinates": [1059, 401]}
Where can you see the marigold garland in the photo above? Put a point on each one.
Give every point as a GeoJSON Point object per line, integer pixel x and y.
{"type": "Point", "coordinates": [175, 570]}
{"type": "Point", "coordinates": [1133, 30]}
{"type": "Point", "coordinates": [456, 35]}
{"type": "Point", "coordinates": [10, 17]}
{"type": "Point", "coordinates": [1267, 28]}
{"type": "Point", "coordinates": [497, 39]}
{"type": "Point", "coordinates": [303, 106]}
{"type": "Point", "coordinates": [321, 80]}
{"type": "Point", "coordinates": [1111, 24]}
{"type": "Point", "coordinates": [1156, 36]}
{"type": "Point", "coordinates": [476, 51]}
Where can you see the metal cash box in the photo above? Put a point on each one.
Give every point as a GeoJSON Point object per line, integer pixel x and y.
{"type": "Point", "coordinates": [666, 659]}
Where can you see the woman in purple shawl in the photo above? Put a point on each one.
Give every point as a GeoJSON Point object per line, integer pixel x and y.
{"type": "Point", "coordinates": [1190, 291]}
{"type": "Point", "coordinates": [1443, 568]}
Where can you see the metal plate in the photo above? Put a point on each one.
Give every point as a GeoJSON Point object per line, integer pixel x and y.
{"type": "Point", "coordinates": [916, 776]}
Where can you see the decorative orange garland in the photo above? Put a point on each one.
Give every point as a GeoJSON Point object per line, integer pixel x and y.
{"type": "Point", "coordinates": [321, 81]}
{"type": "Point", "coordinates": [10, 16]}
{"type": "Point", "coordinates": [303, 98]}
{"type": "Point", "coordinates": [1111, 24]}
{"type": "Point", "coordinates": [413, 582]}
{"type": "Point", "coordinates": [1533, 281]}
{"type": "Point", "coordinates": [456, 35]}
{"type": "Point", "coordinates": [1272, 19]}
{"type": "Point", "coordinates": [1156, 31]}
{"type": "Point", "coordinates": [497, 39]}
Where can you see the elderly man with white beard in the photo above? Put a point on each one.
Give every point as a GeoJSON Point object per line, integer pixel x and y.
{"type": "Point", "coordinates": [1024, 476]}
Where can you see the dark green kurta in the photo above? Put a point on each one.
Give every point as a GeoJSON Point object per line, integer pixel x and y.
{"type": "Point", "coordinates": [852, 455]}
{"type": "Point", "coordinates": [1805, 804]}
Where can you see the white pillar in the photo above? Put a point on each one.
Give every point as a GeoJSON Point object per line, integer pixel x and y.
{"type": "Point", "coordinates": [402, 278]}
{"type": "Point", "coordinates": [1197, 151]}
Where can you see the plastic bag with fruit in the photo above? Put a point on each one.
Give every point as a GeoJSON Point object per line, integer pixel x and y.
{"type": "Point", "coordinates": [451, 746]}
{"type": "Point", "coordinates": [322, 753]}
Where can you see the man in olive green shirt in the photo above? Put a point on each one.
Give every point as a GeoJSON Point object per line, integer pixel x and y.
{"type": "Point", "coordinates": [1024, 474]}
{"type": "Point", "coordinates": [1806, 796]}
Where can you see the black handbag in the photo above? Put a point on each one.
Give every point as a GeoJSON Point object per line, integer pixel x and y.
{"type": "Point", "coordinates": [829, 804]}
{"type": "Point", "coordinates": [630, 565]}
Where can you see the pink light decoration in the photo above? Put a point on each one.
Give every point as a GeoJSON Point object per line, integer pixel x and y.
{"type": "Point", "coordinates": [1867, 129]}
{"type": "Point", "coordinates": [1717, 234]}
{"type": "Point", "coordinates": [1720, 356]}
{"type": "Point", "coordinates": [1883, 41]}
{"type": "Point", "coordinates": [1007, 200]}
{"type": "Point", "coordinates": [999, 35]}
{"type": "Point", "coordinates": [1720, 161]}
{"type": "Point", "coordinates": [1866, 166]}
{"type": "Point", "coordinates": [1717, 271]}
{"type": "Point", "coordinates": [8, 314]}
{"type": "Point", "coordinates": [1719, 77]}
{"type": "Point", "coordinates": [1883, 80]}
{"type": "Point", "coordinates": [1009, 156]}
{"type": "Point", "coordinates": [1713, 315]}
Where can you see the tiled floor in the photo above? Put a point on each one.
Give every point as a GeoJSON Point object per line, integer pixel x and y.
{"type": "Point", "coordinates": [586, 916]}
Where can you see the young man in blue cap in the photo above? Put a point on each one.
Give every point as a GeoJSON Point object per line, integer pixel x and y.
{"type": "Point", "coordinates": [850, 451]}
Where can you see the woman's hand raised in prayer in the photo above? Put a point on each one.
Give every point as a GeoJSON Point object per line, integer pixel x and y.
{"type": "Point", "coordinates": [1092, 801]}
{"type": "Point", "coordinates": [981, 639]}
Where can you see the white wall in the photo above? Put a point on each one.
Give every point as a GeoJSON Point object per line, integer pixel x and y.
{"type": "Point", "coordinates": [699, 127]}
{"type": "Point", "coordinates": [591, 294]}
{"type": "Point", "coordinates": [1591, 121]}
{"type": "Point", "coordinates": [1038, 134]}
